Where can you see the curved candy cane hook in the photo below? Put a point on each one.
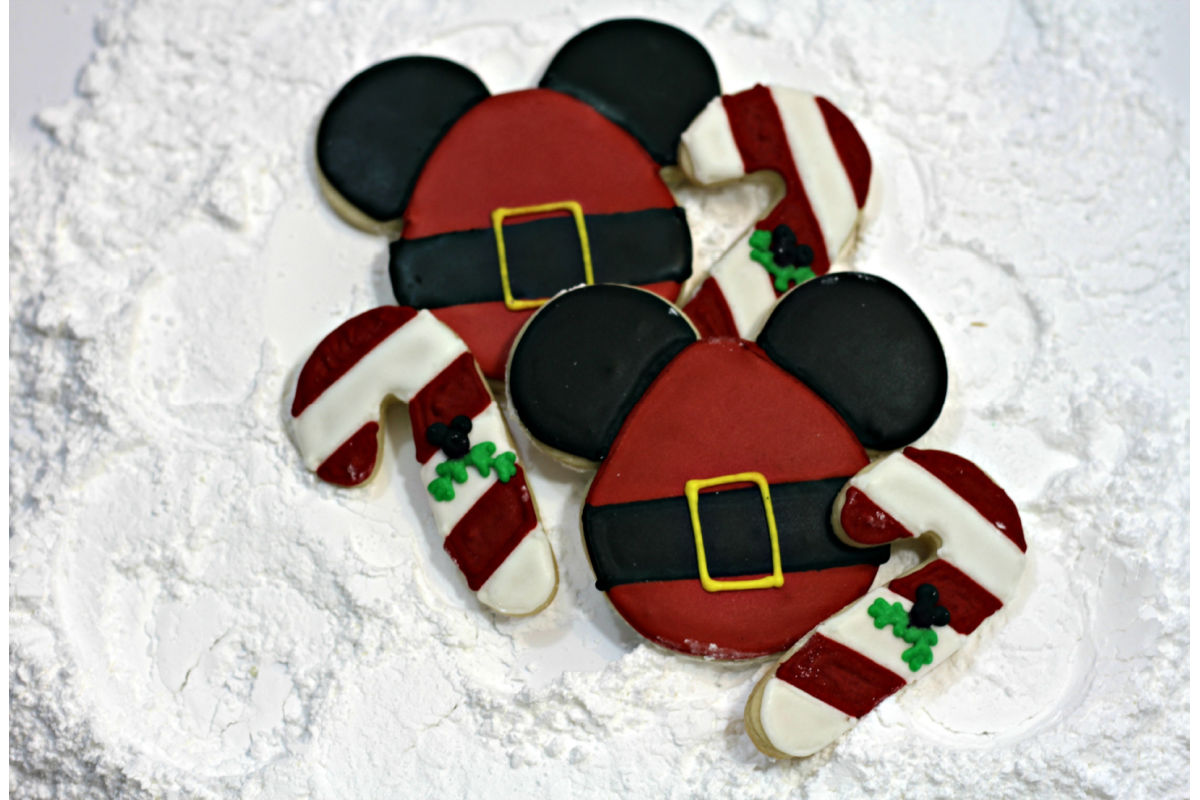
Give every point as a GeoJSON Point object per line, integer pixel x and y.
{"type": "Point", "coordinates": [826, 172]}
{"type": "Point", "coordinates": [852, 661]}
{"type": "Point", "coordinates": [477, 492]}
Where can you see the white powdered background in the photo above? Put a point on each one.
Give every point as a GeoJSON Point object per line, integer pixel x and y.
{"type": "Point", "coordinates": [193, 615]}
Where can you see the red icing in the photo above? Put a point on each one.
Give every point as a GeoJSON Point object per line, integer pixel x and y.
{"type": "Point", "coordinates": [343, 348]}
{"type": "Point", "coordinates": [709, 312]}
{"type": "Point", "coordinates": [528, 148]}
{"type": "Point", "coordinates": [760, 137]}
{"type": "Point", "coordinates": [355, 460]}
{"type": "Point", "coordinates": [491, 529]}
{"type": "Point", "coordinates": [850, 149]}
{"type": "Point", "coordinates": [458, 389]}
{"type": "Point", "coordinates": [721, 407]}
{"type": "Point", "coordinates": [839, 676]}
{"type": "Point", "coordinates": [866, 523]}
{"type": "Point", "coordinates": [968, 602]}
{"type": "Point", "coordinates": [489, 329]}
{"type": "Point", "coordinates": [973, 485]}
{"type": "Point", "coordinates": [683, 616]}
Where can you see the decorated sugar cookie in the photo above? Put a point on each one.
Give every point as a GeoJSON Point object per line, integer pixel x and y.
{"type": "Point", "coordinates": [500, 202]}
{"type": "Point", "coordinates": [896, 633]}
{"type": "Point", "coordinates": [475, 483]}
{"type": "Point", "coordinates": [708, 521]}
{"type": "Point", "coordinates": [826, 171]}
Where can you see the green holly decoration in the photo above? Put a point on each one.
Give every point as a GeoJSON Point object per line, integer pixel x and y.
{"type": "Point", "coordinates": [921, 639]}
{"type": "Point", "coordinates": [454, 470]}
{"type": "Point", "coordinates": [760, 251]}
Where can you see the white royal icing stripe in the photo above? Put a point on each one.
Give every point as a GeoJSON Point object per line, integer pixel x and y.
{"type": "Point", "coordinates": [854, 627]}
{"type": "Point", "coordinates": [486, 426]}
{"type": "Point", "coordinates": [398, 366]}
{"type": "Point", "coordinates": [708, 151]}
{"type": "Point", "coordinates": [525, 581]}
{"type": "Point", "coordinates": [920, 502]}
{"type": "Point", "coordinates": [828, 187]}
{"type": "Point", "coordinates": [747, 288]}
{"type": "Point", "coordinates": [798, 723]}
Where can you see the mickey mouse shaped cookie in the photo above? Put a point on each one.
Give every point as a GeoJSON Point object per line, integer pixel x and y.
{"type": "Point", "coordinates": [735, 506]}
{"type": "Point", "coordinates": [499, 202]}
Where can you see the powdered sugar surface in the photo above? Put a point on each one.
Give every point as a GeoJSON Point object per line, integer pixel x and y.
{"type": "Point", "coordinates": [193, 615]}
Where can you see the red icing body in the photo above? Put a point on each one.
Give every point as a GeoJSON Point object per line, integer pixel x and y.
{"type": "Point", "coordinates": [722, 407]}
{"type": "Point", "coordinates": [491, 529]}
{"type": "Point", "coordinates": [528, 148]}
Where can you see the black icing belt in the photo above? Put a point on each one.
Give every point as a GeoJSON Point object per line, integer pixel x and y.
{"type": "Point", "coordinates": [652, 540]}
{"type": "Point", "coordinates": [544, 257]}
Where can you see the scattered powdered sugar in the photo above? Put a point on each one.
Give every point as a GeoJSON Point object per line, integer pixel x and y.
{"type": "Point", "coordinates": [193, 615]}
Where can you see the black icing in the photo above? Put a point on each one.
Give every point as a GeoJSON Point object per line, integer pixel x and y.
{"type": "Point", "coordinates": [925, 612]}
{"type": "Point", "coordinates": [864, 346]}
{"type": "Point", "coordinates": [451, 438]}
{"type": "Point", "coordinates": [651, 79]}
{"type": "Point", "coordinates": [786, 251]}
{"type": "Point", "coordinates": [585, 358]}
{"type": "Point", "coordinates": [652, 540]}
{"type": "Point", "coordinates": [378, 131]}
{"type": "Point", "coordinates": [544, 257]}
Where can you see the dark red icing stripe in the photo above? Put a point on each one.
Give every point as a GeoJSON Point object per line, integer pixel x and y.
{"type": "Point", "coordinates": [968, 602]}
{"type": "Point", "coordinates": [762, 142]}
{"type": "Point", "coordinates": [780, 428]}
{"type": "Point", "coordinates": [355, 460]}
{"type": "Point", "coordinates": [850, 149]}
{"type": "Point", "coordinates": [527, 148]}
{"type": "Point", "coordinates": [866, 523]}
{"type": "Point", "coordinates": [491, 529]}
{"type": "Point", "coordinates": [343, 348]}
{"type": "Point", "coordinates": [839, 676]}
{"type": "Point", "coordinates": [973, 485]}
{"type": "Point", "coordinates": [458, 389]}
{"type": "Point", "coordinates": [682, 616]}
{"type": "Point", "coordinates": [709, 312]}
{"type": "Point", "coordinates": [489, 329]}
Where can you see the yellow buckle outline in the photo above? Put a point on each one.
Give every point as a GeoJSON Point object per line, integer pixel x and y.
{"type": "Point", "coordinates": [498, 217]}
{"type": "Point", "coordinates": [692, 491]}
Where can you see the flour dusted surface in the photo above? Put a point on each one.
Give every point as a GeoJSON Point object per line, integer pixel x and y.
{"type": "Point", "coordinates": [192, 615]}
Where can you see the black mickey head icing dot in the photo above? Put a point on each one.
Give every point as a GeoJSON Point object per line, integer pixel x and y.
{"type": "Point", "coordinates": [925, 612]}
{"type": "Point", "coordinates": [451, 438]}
{"type": "Point", "coordinates": [787, 251]}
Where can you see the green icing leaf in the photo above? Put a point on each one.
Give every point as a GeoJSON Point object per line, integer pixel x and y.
{"type": "Point", "coordinates": [921, 639]}
{"type": "Point", "coordinates": [760, 240]}
{"type": "Point", "coordinates": [454, 470]}
{"type": "Point", "coordinates": [442, 489]}
{"type": "Point", "coordinates": [760, 251]}
{"type": "Point", "coordinates": [506, 466]}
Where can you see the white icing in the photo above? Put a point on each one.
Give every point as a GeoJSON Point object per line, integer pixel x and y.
{"type": "Point", "coordinates": [797, 723]}
{"type": "Point", "coordinates": [486, 426]}
{"type": "Point", "coordinates": [747, 288]}
{"type": "Point", "coordinates": [399, 367]}
{"type": "Point", "coordinates": [708, 152]}
{"type": "Point", "coordinates": [855, 628]}
{"type": "Point", "coordinates": [826, 184]}
{"type": "Point", "coordinates": [920, 502]}
{"type": "Point", "coordinates": [526, 580]}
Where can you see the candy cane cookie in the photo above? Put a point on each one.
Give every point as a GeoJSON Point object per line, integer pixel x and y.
{"type": "Point", "coordinates": [826, 172]}
{"type": "Point", "coordinates": [897, 633]}
{"type": "Point", "coordinates": [475, 484]}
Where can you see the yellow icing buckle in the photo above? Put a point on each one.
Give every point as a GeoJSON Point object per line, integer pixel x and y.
{"type": "Point", "coordinates": [692, 491]}
{"type": "Point", "coordinates": [498, 217]}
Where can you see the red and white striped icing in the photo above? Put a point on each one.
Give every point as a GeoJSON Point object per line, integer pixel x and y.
{"type": "Point", "coordinates": [826, 172]}
{"type": "Point", "coordinates": [491, 528]}
{"type": "Point", "coordinates": [847, 666]}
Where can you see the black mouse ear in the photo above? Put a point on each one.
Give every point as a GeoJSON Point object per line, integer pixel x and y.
{"type": "Point", "coordinates": [583, 360]}
{"type": "Point", "coordinates": [865, 347]}
{"type": "Point", "coordinates": [381, 127]}
{"type": "Point", "coordinates": [649, 78]}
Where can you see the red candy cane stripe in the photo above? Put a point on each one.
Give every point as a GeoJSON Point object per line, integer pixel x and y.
{"type": "Point", "coordinates": [826, 171]}
{"type": "Point", "coordinates": [847, 665]}
{"type": "Point", "coordinates": [393, 353]}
